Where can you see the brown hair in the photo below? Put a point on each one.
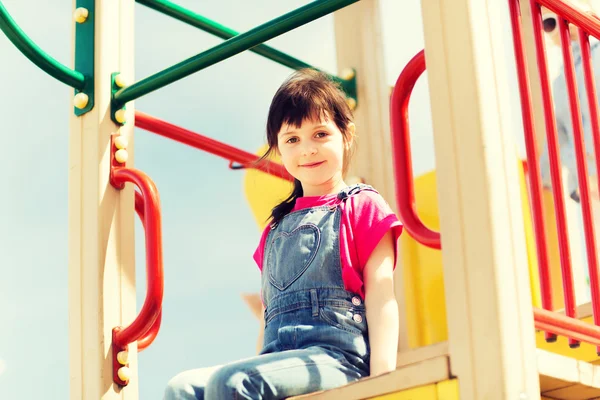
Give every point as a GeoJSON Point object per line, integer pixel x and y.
{"type": "Point", "coordinates": [306, 95]}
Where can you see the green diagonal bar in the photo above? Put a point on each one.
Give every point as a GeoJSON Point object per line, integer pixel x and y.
{"type": "Point", "coordinates": [38, 56]}
{"type": "Point", "coordinates": [198, 21]}
{"type": "Point", "coordinates": [229, 48]}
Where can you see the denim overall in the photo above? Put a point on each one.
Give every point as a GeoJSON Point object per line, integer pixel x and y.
{"type": "Point", "coordinates": [316, 335]}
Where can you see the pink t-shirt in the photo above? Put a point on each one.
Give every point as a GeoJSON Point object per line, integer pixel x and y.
{"type": "Point", "coordinates": [366, 218]}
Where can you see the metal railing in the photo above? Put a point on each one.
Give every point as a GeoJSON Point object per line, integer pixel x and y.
{"type": "Point", "coordinates": [405, 190]}
{"type": "Point", "coordinates": [147, 339]}
{"type": "Point", "coordinates": [546, 319]}
{"type": "Point", "coordinates": [587, 24]}
{"type": "Point", "coordinates": [145, 326]}
{"type": "Point", "coordinates": [229, 48]}
{"type": "Point", "coordinates": [198, 21]}
{"type": "Point", "coordinates": [38, 56]}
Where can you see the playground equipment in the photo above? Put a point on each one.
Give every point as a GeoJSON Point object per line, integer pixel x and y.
{"type": "Point", "coordinates": [476, 341]}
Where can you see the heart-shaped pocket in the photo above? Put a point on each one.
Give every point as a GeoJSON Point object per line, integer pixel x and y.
{"type": "Point", "coordinates": [290, 254]}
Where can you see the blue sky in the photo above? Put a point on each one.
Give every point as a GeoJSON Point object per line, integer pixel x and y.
{"type": "Point", "coordinates": [209, 233]}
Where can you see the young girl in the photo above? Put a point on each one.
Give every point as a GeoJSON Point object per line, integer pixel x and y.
{"type": "Point", "coordinates": [326, 260]}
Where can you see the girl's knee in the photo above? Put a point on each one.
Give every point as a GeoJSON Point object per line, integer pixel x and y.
{"type": "Point", "coordinates": [188, 385]}
{"type": "Point", "coordinates": [229, 383]}
{"type": "Point", "coordinates": [180, 388]}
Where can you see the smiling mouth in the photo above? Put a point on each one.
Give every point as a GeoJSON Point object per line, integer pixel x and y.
{"type": "Point", "coordinates": [312, 165]}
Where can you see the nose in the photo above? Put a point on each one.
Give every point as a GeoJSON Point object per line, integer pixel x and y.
{"type": "Point", "coordinates": [309, 149]}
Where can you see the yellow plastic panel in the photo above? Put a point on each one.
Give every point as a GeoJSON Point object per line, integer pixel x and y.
{"type": "Point", "coordinates": [428, 392]}
{"type": "Point", "coordinates": [423, 271]}
{"type": "Point", "coordinates": [264, 191]}
{"type": "Point", "coordinates": [446, 390]}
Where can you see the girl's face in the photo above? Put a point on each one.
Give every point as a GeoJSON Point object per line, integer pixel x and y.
{"type": "Point", "coordinates": [314, 154]}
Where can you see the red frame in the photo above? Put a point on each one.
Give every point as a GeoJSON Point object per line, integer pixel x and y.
{"type": "Point", "coordinates": [405, 191]}
{"type": "Point", "coordinates": [565, 325]}
{"type": "Point", "coordinates": [545, 319]}
{"type": "Point", "coordinates": [146, 324]}
{"type": "Point", "coordinates": [201, 142]}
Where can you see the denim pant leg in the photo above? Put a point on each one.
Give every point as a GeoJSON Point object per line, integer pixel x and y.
{"type": "Point", "coordinates": [280, 375]}
{"type": "Point", "coordinates": [189, 385]}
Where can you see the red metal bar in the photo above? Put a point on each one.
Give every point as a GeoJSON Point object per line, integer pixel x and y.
{"type": "Point", "coordinates": [149, 337]}
{"type": "Point", "coordinates": [535, 184]}
{"type": "Point", "coordinates": [405, 196]}
{"type": "Point", "coordinates": [567, 326]}
{"type": "Point", "coordinates": [569, 69]}
{"type": "Point", "coordinates": [182, 135]}
{"type": "Point", "coordinates": [591, 243]}
{"type": "Point", "coordinates": [154, 266]}
{"type": "Point", "coordinates": [588, 22]}
{"type": "Point", "coordinates": [555, 168]}
{"type": "Point", "coordinates": [139, 207]}
{"type": "Point", "coordinates": [144, 328]}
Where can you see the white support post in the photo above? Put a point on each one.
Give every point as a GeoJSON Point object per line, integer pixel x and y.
{"type": "Point", "coordinates": [359, 44]}
{"type": "Point", "coordinates": [490, 320]}
{"type": "Point", "coordinates": [101, 243]}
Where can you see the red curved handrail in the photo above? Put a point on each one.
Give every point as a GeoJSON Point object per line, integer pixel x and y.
{"type": "Point", "coordinates": [405, 197]}
{"type": "Point", "coordinates": [201, 142]}
{"type": "Point", "coordinates": [149, 336]}
{"type": "Point", "coordinates": [145, 321]}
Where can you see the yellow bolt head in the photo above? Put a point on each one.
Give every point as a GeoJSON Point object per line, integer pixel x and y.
{"type": "Point", "coordinates": [347, 74]}
{"type": "Point", "coordinates": [124, 373]}
{"type": "Point", "coordinates": [120, 81]}
{"type": "Point", "coordinates": [120, 116]}
{"type": "Point", "coordinates": [80, 15]}
{"type": "Point", "coordinates": [121, 156]}
{"type": "Point", "coordinates": [351, 103]}
{"type": "Point", "coordinates": [80, 100]}
{"type": "Point", "coordinates": [123, 357]}
{"type": "Point", "coordinates": [121, 142]}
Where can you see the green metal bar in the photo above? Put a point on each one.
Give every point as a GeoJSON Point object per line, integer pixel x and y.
{"type": "Point", "coordinates": [85, 49]}
{"type": "Point", "coordinates": [229, 48]}
{"type": "Point", "coordinates": [196, 20]}
{"type": "Point", "coordinates": [38, 56]}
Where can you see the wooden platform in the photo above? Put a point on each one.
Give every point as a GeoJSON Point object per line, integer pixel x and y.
{"type": "Point", "coordinates": [561, 377]}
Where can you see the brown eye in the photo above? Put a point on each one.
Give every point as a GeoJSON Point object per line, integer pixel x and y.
{"type": "Point", "coordinates": [549, 24]}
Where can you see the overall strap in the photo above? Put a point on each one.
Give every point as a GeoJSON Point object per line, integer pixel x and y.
{"type": "Point", "coordinates": [354, 189]}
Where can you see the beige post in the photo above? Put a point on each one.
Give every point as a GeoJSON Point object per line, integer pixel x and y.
{"type": "Point", "coordinates": [491, 333]}
{"type": "Point", "coordinates": [101, 243]}
{"type": "Point", "coordinates": [359, 43]}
